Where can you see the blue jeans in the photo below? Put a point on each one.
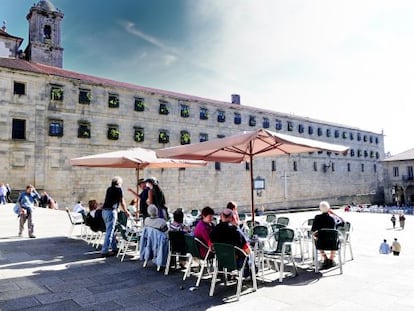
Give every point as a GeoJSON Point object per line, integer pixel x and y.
{"type": "Point", "coordinates": [110, 218]}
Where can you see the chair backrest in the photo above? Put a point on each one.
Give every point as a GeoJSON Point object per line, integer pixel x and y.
{"type": "Point", "coordinates": [192, 244]}
{"type": "Point", "coordinates": [260, 231]}
{"type": "Point", "coordinates": [327, 239]}
{"type": "Point", "coordinates": [282, 236]}
{"type": "Point", "coordinates": [226, 256]}
{"type": "Point", "coordinates": [276, 226]}
{"type": "Point", "coordinates": [194, 212]}
{"type": "Point", "coordinates": [121, 224]}
{"type": "Point", "coordinates": [283, 221]}
{"type": "Point", "coordinates": [270, 218]}
{"type": "Point", "coordinates": [177, 242]}
{"type": "Point", "coordinates": [251, 224]}
{"type": "Point", "coordinates": [310, 222]}
{"type": "Point", "coordinates": [242, 216]}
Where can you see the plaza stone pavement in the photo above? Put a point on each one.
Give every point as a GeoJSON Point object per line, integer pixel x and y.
{"type": "Point", "coordinates": [54, 272]}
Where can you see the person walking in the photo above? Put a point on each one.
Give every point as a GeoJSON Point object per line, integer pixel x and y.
{"type": "Point", "coordinates": [393, 220]}
{"type": "Point", "coordinates": [113, 198]}
{"type": "Point", "coordinates": [396, 247]}
{"type": "Point", "coordinates": [384, 248]}
{"type": "Point", "coordinates": [27, 200]}
{"type": "Point", "coordinates": [401, 219]}
{"type": "Point", "coordinates": [8, 193]}
{"type": "Point", "coordinates": [3, 193]}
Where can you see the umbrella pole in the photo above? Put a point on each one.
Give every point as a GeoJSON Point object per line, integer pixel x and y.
{"type": "Point", "coordinates": [252, 186]}
{"type": "Point", "coordinates": [136, 204]}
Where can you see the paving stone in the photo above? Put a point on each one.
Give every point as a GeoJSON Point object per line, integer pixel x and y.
{"type": "Point", "coordinates": [19, 303]}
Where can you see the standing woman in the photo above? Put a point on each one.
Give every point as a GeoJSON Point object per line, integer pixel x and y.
{"type": "Point", "coordinates": [113, 198]}
{"type": "Point", "coordinates": [156, 197]}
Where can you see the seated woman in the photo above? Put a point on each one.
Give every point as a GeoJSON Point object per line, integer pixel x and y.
{"type": "Point", "coordinates": [153, 220]}
{"type": "Point", "coordinates": [133, 208]}
{"type": "Point", "coordinates": [203, 228]}
{"type": "Point", "coordinates": [178, 221]}
{"type": "Point", "coordinates": [94, 217]}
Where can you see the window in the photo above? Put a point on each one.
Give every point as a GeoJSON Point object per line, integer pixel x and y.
{"type": "Point", "coordinates": [113, 132]}
{"type": "Point", "coordinates": [315, 166]}
{"type": "Point", "coordinates": [349, 167]}
{"type": "Point", "coordinates": [362, 167]}
{"type": "Point", "coordinates": [185, 138]}
{"type": "Point", "coordinates": [56, 92]}
{"type": "Point", "coordinates": [266, 123]}
{"type": "Point", "coordinates": [310, 130]}
{"type": "Point", "coordinates": [295, 166]}
{"type": "Point", "coordinates": [19, 88]}
{"type": "Point", "coordinates": [47, 32]}
{"type": "Point", "coordinates": [352, 152]}
{"type": "Point", "coordinates": [185, 111]}
{"type": "Point", "coordinates": [163, 108]}
{"type": "Point", "coordinates": [290, 126]}
{"type": "Point", "coordinates": [320, 131]}
{"type": "Point", "coordinates": [85, 96]}
{"type": "Point", "coordinates": [359, 153]}
{"type": "Point", "coordinates": [217, 166]}
{"type": "Point", "coordinates": [358, 136]}
{"type": "Point", "coordinates": [18, 129]}
{"type": "Point", "coordinates": [396, 171]}
{"type": "Point", "coordinates": [372, 154]}
{"type": "Point", "coordinates": [247, 166]}
{"type": "Point", "coordinates": [376, 140]}
{"type": "Point", "coordinates": [273, 166]}
{"type": "Point", "coordinates": [377, 155]}
{"type": "Point", "coordinates": [301, 128]}
{"type": "Point", "coordinates": [203, 137]}
{"type": "Point", "coordinates": [351, 136]}
{"type": "Point", "coordinates": [221, 136]}
{"type": "Point", "coordinates": [252, 120]}
{"type": "Point", "coordinates": [365, 138]}
{"type": "Point", "coordinates": [139, 104]}
{"type": "Point", "coordinates": [237, 118]}
{"type": "Point", "coordinates": [371, 139]}
{"type": "Point", "coordinates": [56, 128]}
{"type": "Point", "coordinates": [203, 114]}
{"type": "Point", "coordinates": [328, 132]}
{"type": "Point", "coordinates": [375, 167]}
{"type": "Point", "coordinates": [139, 134]}
{"type": "Point", "coordinates": [113, 101]}
{"type": "Point", "coordinates": [84, 130]}
{"type": "Point", "coordinates": [344, 135]}
{"type": "Point", "coordinates": [278, 124]}
{"type": "Point", "coordinates": [410, 172]}
{"type": "Point", "coordinates": [336, 133]}
{"type": "Point", "coordinates": [333, 167]}
{"type": "Point", "coordinates": [221, 116]}
{"type": "Point", "coordinates": [163, 137]}
{"type": "Point", "coordinates": [365, 153]}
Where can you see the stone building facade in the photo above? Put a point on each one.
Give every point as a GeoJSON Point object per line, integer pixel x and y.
{"type": "Point", "coordinates": [50, 115]}
{"type": "Point", "coordinates": [399, 178]}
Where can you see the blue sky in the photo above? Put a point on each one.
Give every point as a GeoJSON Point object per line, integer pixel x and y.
{"type": "Point", "coordinates": [347, 62]}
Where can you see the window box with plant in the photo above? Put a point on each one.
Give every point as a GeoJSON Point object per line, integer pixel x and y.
{"type": "Point", "coordinates": [163, 137]}
{"type": "Point", "coordinates": [139, 104]}
{"type": "Point", "coordinates": [203, 114]}
{"type": "Point", "coordinates": [56, 93]}
{"type": "Point", "coordinates": [85, 97]}
{"type": "Point", "coordinates": [113, 101]}
{"type": "Point", "coordinates": [113, 133]}
{"type": "Point", "coordinates": [185, 138]}
{"type": "Point", "coordinates": [164, 109]}
{"type": "Point", "coordinates": [84, 131]}
{"type": "Point", "coordinates": [185, 111]}
{"type": "Point", "coordinates": [139, 135]}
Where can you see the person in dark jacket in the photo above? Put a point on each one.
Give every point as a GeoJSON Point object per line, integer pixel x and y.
{"type": "Point", "coordinates": [324, 221]}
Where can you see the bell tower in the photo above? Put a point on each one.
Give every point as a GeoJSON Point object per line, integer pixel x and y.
{"type": "Point", "coordinates": [45, 34]}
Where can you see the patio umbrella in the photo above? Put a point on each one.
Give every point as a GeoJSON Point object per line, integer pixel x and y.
{"type": "Point", "coordinates": [245, 146]}
{"type": "Point", "coordinates": [137, 158]}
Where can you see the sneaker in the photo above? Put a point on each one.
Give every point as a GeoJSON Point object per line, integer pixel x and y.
{"type": "Point", "coordinates": [32, 236]}
{"type": "Point", "coordinates": [325, 265]}
{"type": "Point", "coordinates": [20, 234]}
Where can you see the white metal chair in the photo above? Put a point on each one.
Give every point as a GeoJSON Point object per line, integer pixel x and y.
{"type": "Point", "coordinates": [345, 231]}
{"type": "Point", "coordinates": [75, 219]}
{"type": "Point", "coordinates": [130, 235]}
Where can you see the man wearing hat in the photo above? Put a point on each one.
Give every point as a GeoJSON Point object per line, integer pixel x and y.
{"type": "Point", "coordinates": [142, 197]}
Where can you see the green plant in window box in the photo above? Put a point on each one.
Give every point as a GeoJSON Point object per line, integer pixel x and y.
{"type": "Point", "coordinates": [113, 102]}
{"type": "Point", "coordinates": [139, 105]}
{"type": "Point", "coordinates": [163, 138]}
{"type": "Point", "coordinates": [56, 93]}
{"type": "Point", "coordinates": [204, 115]}
{"type": "Point", "coordinates": [164, 109]}
{"type": "Point", "coordinates": [252, 122]}
{"type": "Point", "coordinates": [139, 135]}
{"type": "Point", "coordinates": [113, 134]}
{"type": "Point", "coordinates": [185, 112]}
{"type": "Point", "coordinates": [84, 133]}
{"type": "Point", "coordinates": [185, 138]}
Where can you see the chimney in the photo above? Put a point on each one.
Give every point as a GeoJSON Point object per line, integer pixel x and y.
{"type": "Point", "coordinates": [235, 99]}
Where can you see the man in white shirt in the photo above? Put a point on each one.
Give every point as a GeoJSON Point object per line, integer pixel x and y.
{"type": "Point", "coordinates": [78, 208]}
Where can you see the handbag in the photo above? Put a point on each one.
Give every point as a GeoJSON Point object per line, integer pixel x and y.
{"type": "Point", "coordinates": [16, 208]}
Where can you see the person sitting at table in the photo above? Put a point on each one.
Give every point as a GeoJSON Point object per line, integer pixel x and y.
{"type": "Point", "coordinates": [94, 217]}
{"type": "Point", "coordinates": [203, 228]}
{"type": "Point", "coordinates": [178, 221]}
{"type": "Point", "coordinates": [154, 221]}
{"type": "Point", "coordinates": [227, 232]}
{"type": "Point", "coordinates": [324, 221]}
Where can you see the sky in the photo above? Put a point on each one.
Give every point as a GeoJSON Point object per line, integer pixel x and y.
{"type": "Point", "coordinates": [347, 62]}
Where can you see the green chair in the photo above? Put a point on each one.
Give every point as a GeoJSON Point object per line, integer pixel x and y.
{"type": "Point", "coordinates": [193, 245]}
{"type": "Point", "coordinates": [283, 221]}
{"type": "Point", "coordinates": [176, 248]}
{"type": "Point", "coordinates": [283, 251]}
{"type": "Point", "coordinates": [270, 218]}
{"type": "Point", "coordinates": [225, 263]}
